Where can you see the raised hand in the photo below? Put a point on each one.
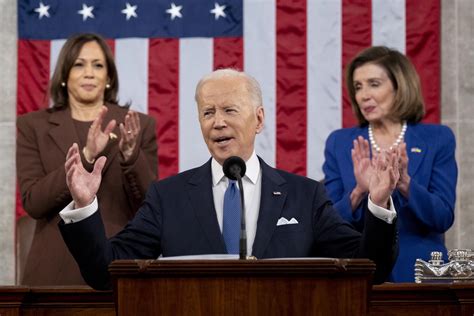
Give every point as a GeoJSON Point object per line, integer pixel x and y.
{"type": "Point", "coordinates": [403, 184]}
{"type": "Point", "coordinates": [362, 170]}
{"type": "Point", "coordinates": [82, 185]}
{"type": "Point", "coordinates": [129, 134]}
{"type": "Point", "coordinates": [97, 138]}
{"type": "Point", "coordinates": [384, 178]}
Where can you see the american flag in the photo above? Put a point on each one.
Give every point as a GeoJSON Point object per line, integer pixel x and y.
{"type": "Point", "coordinates": [296, 49]}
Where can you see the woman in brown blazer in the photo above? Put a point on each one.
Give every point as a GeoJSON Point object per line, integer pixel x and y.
{"type": "Point", "coordinates": [84, 91]}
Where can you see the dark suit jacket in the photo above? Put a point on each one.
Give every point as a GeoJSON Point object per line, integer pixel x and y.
{"type": "Point", "coordinates": [44, 138]}
{"type": "Point", "coordinates": [178, 218]}
{"type": "Point", "coordinates": [427, 214]}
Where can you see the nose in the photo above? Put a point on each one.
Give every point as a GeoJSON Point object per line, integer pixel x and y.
{"type": "Point", "coordinates": [219, 120]}
{"type": "Point", "coordinates": [364, 93]}
{"type": "Point", "coordinates": [89, 71]}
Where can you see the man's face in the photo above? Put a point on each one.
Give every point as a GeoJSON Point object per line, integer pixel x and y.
{"type": "Point", "coordinates": [229, 121]}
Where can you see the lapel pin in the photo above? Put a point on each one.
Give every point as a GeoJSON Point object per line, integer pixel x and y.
{"type": "Point", "coordinates": [415, 150]}
{"type": "Point", "coordinates": [276, 193]}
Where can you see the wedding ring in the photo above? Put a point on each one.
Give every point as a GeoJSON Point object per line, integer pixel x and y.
{"type": "Point", "coordinates": [129, 132]}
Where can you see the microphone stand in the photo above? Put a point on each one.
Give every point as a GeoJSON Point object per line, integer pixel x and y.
{"type": "Point", "coordinates": [243, 230]}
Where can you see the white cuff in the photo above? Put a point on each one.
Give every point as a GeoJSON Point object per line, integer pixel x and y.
{"type": "Point", "coordinates": [383, 213]}
{"type": "Point", "coordinates": [71, 215]}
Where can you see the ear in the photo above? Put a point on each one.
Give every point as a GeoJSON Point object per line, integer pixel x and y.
{"type": "Point", "coordinates": [260, 119]}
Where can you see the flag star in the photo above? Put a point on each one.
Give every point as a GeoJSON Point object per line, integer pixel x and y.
{"type": "Point", "coordinates": [86, 12]}
{"type": "Point", "coordinates": [130, 10]}
{"type": "Point", "coordinates": [175, 11]}
{"type": "Point", "coordinates": [218, 11]}
{"type": "Point", "coordinates": [42, 10]}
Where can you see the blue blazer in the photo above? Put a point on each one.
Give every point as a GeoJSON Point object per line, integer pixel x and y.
{"type": "Point", "coordinates": [178, 218]}
{"type": "Point", "coordinates": [429, 211]}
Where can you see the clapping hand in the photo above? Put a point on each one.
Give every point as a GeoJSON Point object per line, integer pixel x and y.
{"type": "Point", "coordinates": [129, 134]}
{"type": "Point", "coordinates": [403, 184]}
{"type": "Point", "coordinates": [384, 178]}
{"type": "Point", "coordinates": [97, 138]}
{"type": "Point", "coordinates": [362, 163]}
{"type": "Point", "coordinates": [82, 185]}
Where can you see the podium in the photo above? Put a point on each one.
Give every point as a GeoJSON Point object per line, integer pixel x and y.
{"type": "Point", "coordinates": [242, 287]}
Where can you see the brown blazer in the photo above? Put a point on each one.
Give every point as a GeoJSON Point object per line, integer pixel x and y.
{"type": "Point", "coordinates": [43, 140]}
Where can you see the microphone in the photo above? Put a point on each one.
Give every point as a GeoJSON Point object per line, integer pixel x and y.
{"type": "Point", "coordinates": [234, 168]}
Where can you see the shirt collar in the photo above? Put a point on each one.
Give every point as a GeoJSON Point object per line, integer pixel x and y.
{"type": "Point", "coordinates": [252, 172]}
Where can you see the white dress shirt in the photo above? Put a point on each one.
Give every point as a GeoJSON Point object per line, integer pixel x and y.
{"type": "Point", "coordinates": [252, 182]}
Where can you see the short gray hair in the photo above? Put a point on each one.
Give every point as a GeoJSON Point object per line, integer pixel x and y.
{"type": "Point", "coordinates": [253, 87]}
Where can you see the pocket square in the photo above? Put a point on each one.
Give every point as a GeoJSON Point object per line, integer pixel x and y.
{"type": "Point", "coordinates": [284, 221]}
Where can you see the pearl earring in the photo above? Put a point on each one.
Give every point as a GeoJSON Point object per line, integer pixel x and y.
{"type": "Point", "coordinates": [107, 86]}
{"type": "Point", "coordinates": [63, 84]}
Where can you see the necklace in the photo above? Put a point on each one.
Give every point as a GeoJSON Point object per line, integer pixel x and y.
{"type": "Point", "coordinates": [397, 142]}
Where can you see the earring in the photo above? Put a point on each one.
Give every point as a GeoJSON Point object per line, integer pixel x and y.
{"type": "Point", "coordinates": [63, 84]}
{"type": "Point", "coordinates": [107, 86]}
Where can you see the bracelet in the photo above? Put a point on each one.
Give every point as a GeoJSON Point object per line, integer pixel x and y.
{"type": "Point", "coordinates": [85, 156]}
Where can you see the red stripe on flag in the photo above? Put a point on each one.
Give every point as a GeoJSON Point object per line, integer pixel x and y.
{"type": "Point", "coordinates": [163, 101]}
{"type": "Point", "coordinates": [32, 85]}
{"type": "Point", "coordinates": [228, 53]}
{"type": "Point", "coordinates": [111, 43]}
{"type": "Point", "coordinates": [356, 35]}
{"type": "Point", "coordinates": [33, 75]}
{"type": "Point", "coordinates": [423, 48]}
{"type": "Point", "coordinates": [291, 86]}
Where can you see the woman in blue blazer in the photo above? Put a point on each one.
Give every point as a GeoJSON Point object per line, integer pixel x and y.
{"type": "Point", "coordinates": [386, 98]}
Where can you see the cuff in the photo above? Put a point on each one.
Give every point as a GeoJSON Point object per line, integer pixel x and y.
{"type": "Point", "coordinates": [384, 214]}
{"type": "Point", "coordinates": [71, 215]}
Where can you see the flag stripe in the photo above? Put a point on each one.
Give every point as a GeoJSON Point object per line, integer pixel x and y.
{"type": "Point", "coordinates": [196, 60]}
{"type": "Point", "coordinates": [291, 86]}
{"type": "Point", "coordinates": [260, 62]}
{"type": "Point", "coordinates": [388, 23]}
{"type": "Point", "coordinates": [131, 55]}
{"type": "Point", "coordinates": [163, 101]}
{"type": "Point", "coordinates": [324, 79]}
{"type": "Point", "coordinates": [356, 35]}
{"type": "Point", "coordinates": [228, 52]}
{"type": "Point", "coordinates": [33, 75]}
{"type": "Point", "coordinates": [423, 48]}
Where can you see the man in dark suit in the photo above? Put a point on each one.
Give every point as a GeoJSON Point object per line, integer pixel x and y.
{"type": "Point", "coordinates": [287, 215]}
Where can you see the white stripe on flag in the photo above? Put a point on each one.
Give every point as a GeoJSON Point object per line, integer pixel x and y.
{"type": "Point", "coordinates": [56, 46]}
{"type": "Point", "coordinates": [324, 79]}
{"type": "Point", "coordinates": [389, 23]}
{"type": "Point", "coordinates": [131, 58]}
{"type": "Point", "coordinates": [260, 62]}
{"type": "Point", "coordinates": [195, 61]}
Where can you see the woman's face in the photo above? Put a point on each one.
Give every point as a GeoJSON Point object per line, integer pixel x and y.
{"type": "Point", "coordinates": [88, 76]}
{"type": "Point", "coordinates": [374, 92]}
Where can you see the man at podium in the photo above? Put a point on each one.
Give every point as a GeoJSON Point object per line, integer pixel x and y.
{"type": "Point", "coordinates": [197, 211]}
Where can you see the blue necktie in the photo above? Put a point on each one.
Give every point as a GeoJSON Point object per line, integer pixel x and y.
{"type": "Point", "coordinates": [231, 227]}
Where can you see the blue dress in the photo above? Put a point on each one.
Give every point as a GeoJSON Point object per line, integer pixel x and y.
{"type": "Point", "coordinates": [427, 214]}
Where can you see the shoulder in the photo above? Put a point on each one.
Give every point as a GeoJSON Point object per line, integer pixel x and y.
{"type": "Point", "coordinates": [433, 131]}
{"type": "Point", "coordinates": [122, 110]}
{"type": "Point", "coordinates": [35, 118]}
{"type": "Point", "coordinates": [182, 178]}
{"type": "Point", "coordinates": [347, 133]}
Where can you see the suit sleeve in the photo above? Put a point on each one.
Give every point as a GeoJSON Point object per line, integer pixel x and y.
{"type": "Point", "coordinates": [433, 205]}
{"type": "Point", "coordinates": [140, 239]}
{"type": "Point", "coordinates": [336, 238]}
{"type": "Point", "coordinates": [143, 168]}
{"type": "Point", "coordinates": [333, 181]}
{"type": "Point", "coordinates": [43, 194]}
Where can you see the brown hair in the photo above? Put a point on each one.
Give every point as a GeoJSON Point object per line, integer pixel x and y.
{"type": "Point", "coordinates": [408, 103]}
{"type": "Point", "coordinates": [67, 57]}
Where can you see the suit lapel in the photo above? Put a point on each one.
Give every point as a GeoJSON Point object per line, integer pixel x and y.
{"type": "Point", "coordinates": [63, 132]}
{"type": "Point", "coordinates": [272, 200]}
{"type": "Point", "coordinates": [416, 149]}
{"type": "Point", "coordinates": [200, 193]}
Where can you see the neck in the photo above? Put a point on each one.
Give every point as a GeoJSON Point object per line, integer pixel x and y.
{"type": "Point", "coordinates": [85, 112]}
